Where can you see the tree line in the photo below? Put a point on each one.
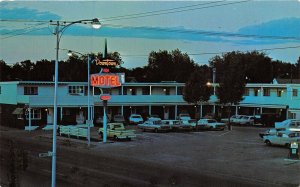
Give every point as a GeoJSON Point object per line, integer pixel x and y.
{"type": "Point", "coordinates": [162, 65]}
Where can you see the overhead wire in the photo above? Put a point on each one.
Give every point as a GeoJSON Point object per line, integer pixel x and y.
{"type": "Point", "coordinates": [141, 15]}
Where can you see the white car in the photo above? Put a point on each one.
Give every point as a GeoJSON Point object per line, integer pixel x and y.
{"type": "Point", "coordinates": [246, 120]}
{"type": "Point", "coordinates": [154, 124]}
{"type": "Point", "coordinates": [283, 139]}
{"type": "Point", "coordinates": [177, 125]}
{"type": "Point", "coordinates": [184, 117]}
{"type": "Point", "coordinates": [210, 124]}
{"type": "Point", "coordinates": [135, 119]}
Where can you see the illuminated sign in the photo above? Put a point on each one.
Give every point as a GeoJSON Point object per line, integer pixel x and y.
{"type": "Point", "coordinates": [107, 80]}
{"type": "Point", "coordinates": [105, 97]}
{"type": "Point", "coordinates": [106, 62]}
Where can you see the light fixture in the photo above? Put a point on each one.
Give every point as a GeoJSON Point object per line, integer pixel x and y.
{"type": "Point", "coordinates": [70, 53]}
{"type": "Point", "coordinates": [96, 23]}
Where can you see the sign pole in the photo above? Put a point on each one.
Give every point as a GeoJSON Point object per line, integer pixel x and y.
{"type": "Point", "coordinates": [104, 121]}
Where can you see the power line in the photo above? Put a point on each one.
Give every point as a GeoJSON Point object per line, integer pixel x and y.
{"type": "Point", "coordinates": [33, 26]}
{"type": "Point", "coordinates": [28, 31]}
{"type": "Point", "coordinates": [156, 11]}
{"type": "Point", "coordinates": [215, 53]}
{"type": "Point", "coordinates": [209, 33]}
{"type": "Point", "coordinates": [170, 11]}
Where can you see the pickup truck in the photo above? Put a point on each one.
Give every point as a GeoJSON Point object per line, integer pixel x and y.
{"type": "Point", "coordinates": [117, 131]}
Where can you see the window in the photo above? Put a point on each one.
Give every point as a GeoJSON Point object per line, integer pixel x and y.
{"type": "Point", "coordinates": [166, 91]}
{"type": "Point", "coordinates": [256, 91]}
{"type": "Point", "coordinates": [30, 90]}
{"type": "Point", "coordinates": [179, 90]}
{"type": "Point", "coordinates": [35, 114]}
{"type": "Point", "coordinates": [279, 92]}
{"type": "Point", "coordinates": [266, 91]}
{"type": "Point", "coordinates": [146, 91]}
{"type": "Point", "coordinates": [246, 92]}
{"type": "Point", "coordinates": [76, 90]}
{"type": "Point", "coordinates": [295, 92]}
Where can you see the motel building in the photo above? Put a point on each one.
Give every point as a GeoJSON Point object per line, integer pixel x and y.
{"type": "Point", "coordinates": [24, 103]}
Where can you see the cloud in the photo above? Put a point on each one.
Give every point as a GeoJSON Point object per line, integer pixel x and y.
{"type": "Point", "coordinates": [287, 27]}
{"type": "Point", "coordinates": [26, 14]}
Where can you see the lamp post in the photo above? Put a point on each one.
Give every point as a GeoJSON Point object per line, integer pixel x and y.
{"type": "Point", "coordinates": [59, 30]}
{"type": "Point", "coordinates": [70, 53]}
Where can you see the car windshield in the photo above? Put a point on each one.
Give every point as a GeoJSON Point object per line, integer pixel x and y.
{"type": "Point", "coordinates": [136, 116]}
{"type": "Point", "coordinates": [157, 122]}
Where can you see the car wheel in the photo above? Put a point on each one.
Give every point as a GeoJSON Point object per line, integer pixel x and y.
{"type": "Point", "coordinates": [268, 142]}
{"type": "Point", "coordinates": [116, 137]}
{"type": "Point", "coordinates": [144, 130]}
{"type": "Point", "coordinates": [101, 135]}
{"type": "Point", "coordinates": [155, 130]}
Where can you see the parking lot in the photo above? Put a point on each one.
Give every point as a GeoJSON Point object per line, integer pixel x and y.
{"type": "Point", "coordinates": [239, 153]}
{"type": "Point", "coordinates": [206, 158]}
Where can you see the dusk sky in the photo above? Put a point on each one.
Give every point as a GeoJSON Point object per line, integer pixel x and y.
{"type": "Point", "coordinates": [201, 29]}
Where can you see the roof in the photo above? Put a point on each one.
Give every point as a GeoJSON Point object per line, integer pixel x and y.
{"type": "Point", "coordinates": [286, 81]}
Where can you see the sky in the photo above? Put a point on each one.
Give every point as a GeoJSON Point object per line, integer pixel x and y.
{"type": "Point", "coordinates": [202, 29]}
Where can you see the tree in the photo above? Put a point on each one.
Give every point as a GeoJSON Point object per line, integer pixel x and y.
{"type": "Point", "coordinates": [5, 70]}
{"type": "Point", "coordinates": [169, 66]}
{"type": "Point", "coordinates": [196, 90]}
{"type": "Point", "coordinates": [232, 82]}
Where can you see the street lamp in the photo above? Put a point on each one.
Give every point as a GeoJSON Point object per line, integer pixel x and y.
{"type": "Point", "coordinates": [70, 53]}
{"type": "Point", "coordinates": [59, 30]}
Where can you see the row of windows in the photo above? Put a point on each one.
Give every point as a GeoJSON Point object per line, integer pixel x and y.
{"type": "Point", "coordinates": [35, 114]}
{"type": "Point", "coordinates": [267, 91]}
{"type": "Point", "coordinates": [33, 90]}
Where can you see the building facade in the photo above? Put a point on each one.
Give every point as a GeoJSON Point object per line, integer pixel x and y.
{"type": "Point", "coordinates": [31, 102]}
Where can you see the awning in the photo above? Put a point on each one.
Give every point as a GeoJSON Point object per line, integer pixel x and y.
{"type": "Point", "coordinates": [18, 111]}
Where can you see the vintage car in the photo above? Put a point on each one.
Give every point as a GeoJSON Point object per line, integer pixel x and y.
{"type": "Point", "coordinates": [135, 119]}
{"type": "Point", "coordinates": [119, 118]}
{"type": "Point", "coordinates": [272, 131]}
{"type": "Point", "coordinates": [246, 120]}
{"type": "Point", "coordinates": [117, 131]}
{"type": "Point", "coordinates": [283, 139]}
{"type": "Point", "coordinates": [155, 125]}
{"type": "Point", "coordinates": [210, 124]}
{"type": "Point", "coordinates": [178, 125]}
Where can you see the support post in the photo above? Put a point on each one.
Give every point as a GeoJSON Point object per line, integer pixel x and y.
{"type": "Point", "coordinates": [104, 122]}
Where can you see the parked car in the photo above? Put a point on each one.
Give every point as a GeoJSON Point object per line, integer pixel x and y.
{"type": "Point", "coordinates": [177, 125]}
{"type": "Point", "coordinates": [283, 139]}
{"type": "Point", "coordinates": [135, 119]}
{"type": "Point", "coordinates": [210, 124]}
{"type": "Point", "coordinates": [154, 124]}
{"type": "Point", "coordinates": [155, 116]}
{"type": "Point", "coordinates": [184, 117]}
{"type": "Point", "coordinates": [119, 118]}
{"type": "Point", "coordinates": [272, 131]}
{"type": "Point", "coordinates": [246, 120]}
{"type": "Point", "coordinates": [99, 120]}
{"type": "Point", "coordinates": [117, 131]}
{"type": "Point", "coordinates": [233, 119]}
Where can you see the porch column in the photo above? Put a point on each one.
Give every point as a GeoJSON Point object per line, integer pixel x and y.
{"type": "Point", "coordinates": [214, 109]}
{"type": "Point", "coordinates": [122, 110]}
{"type": "Point", "coordinates": [150, 110]}
{"type": "Point", "coordinates": [29, 113]}
{"type": "Point", "coordinates": [236, 110]}
{"type": "Point", "coordinates": [61, 113]}
{"type": "Point", "coordinates": [175, 113]}
{"type": "Point", "coordinates": [201, 110]}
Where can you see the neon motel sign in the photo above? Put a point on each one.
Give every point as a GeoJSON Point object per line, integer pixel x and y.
{"type": "Point", "coordinates": [106, 80]}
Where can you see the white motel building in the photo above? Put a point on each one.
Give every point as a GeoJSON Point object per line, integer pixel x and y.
{"type": "Point", "coordinates": [22, 102]}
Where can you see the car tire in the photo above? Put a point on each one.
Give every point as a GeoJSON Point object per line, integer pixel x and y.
{"type": "Point", "coordinates": [268, 142]}
{"type": "Point", "coordinates": [287, 145]}
{"type": "Point", "coordinates": [156, 130]}
{"type": "Point", "coordinates": [144, 130]}
{"type": "Point", "coordinates": [101, 135]}
{"type": "Point", "coordinates": [116, 137]}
